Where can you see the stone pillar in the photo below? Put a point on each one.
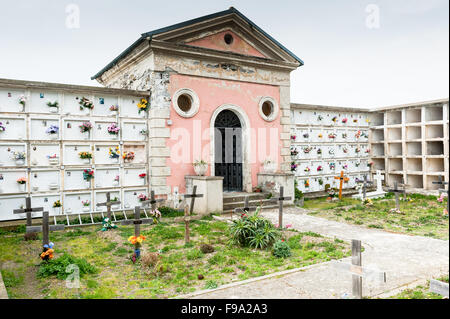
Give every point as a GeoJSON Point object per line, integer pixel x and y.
{"type": "Point", "coordinates": [212, 189]}
{"type": "Point", "coordinates": [271, 183]}
{"type": "Point", "coordinates": [285, 135]}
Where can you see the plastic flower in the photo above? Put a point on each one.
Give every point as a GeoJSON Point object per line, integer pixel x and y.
{"type": "Point", "coordinates": [114, 108]}
{"type": "Point", "coordinates": [22, 180]}
{"type": "Point", "coordinates": [143, 175]}
{"type": "Point", "coordinates": [53, 129]}
{"type": "Point", "coordinates": [114, 152]}
{"type": "Point", "coordinates": [57, 203]}
{"type": "Point", "coordinates": [2, 127]}
{"type": "Point", "coordinates": [113, 129]}
{"type": "Point", "coordinates": [142, 105]}
{"type": "Point", "coordinates": [86, 103]}
{"type": "Point", "coordinates": [85, 127]}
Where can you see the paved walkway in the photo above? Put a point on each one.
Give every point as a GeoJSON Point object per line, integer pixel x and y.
{"type": "Point", "coordinates": [404, 258]}
{"type": "Point", "coordinates": [3, 293]}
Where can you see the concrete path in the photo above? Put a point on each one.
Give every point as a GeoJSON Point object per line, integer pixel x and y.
{"type": "Point", "coordinates": [405, 259]}
{"type": "Point", "coordinates": [3, 293]}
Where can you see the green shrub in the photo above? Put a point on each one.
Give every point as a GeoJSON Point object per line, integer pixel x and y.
{"type": "Point", "coordinates": [253, 231]}
{"type": "Point", "coordinates": [170, 212]}
{"type": "Point", "coordinates": [57, 267]}
{"type": "Point", "coordinates": [281, 249]}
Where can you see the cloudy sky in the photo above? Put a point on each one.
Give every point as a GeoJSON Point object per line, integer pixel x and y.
{"type": "Point", "coordinates": [356, 52]}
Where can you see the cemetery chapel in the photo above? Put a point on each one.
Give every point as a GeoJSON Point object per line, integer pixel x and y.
{"type": "Point", "coordinates": [219, 92]}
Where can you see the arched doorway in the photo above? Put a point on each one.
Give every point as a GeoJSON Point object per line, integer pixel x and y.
{"type": "Point", "coordinates": [228, 157]}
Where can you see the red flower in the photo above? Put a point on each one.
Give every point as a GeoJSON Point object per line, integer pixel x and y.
{"type": "Point", "coordinates": [142, 175]}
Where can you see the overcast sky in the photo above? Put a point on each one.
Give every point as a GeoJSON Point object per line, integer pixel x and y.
{"type": "Point", "coordinates": [350, 59]}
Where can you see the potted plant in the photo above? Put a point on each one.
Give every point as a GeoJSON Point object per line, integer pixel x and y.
{"type": "Point", "coordinates": [19, 157]}
{"type": "Point", "coordinates": [116, 180]}
{"type": "Point", "coordinates": [114, 154]}
{"type": "Point", "coordinates": [57, 207]}
{"type": "Point", "coordinates": [86, 128]}
{"type": "Point", "coordinates": [86, 205]}
{"type": "Point", "coordinates": [53, 106]}
{"type": "Point", "coordinates": [88, 174]}
{"type": "Point", "coordinates": [86, 157]}
{"type": "Point", "coordinates": [142, 105]}
{"type": "Point", "coordinates": [22, 182]}
{"type": "Point", "coordinates": [257, 189]}
{"type": "Point", "coordinates": [307, 169]}
{"type": "Point", "coordinates": [293, 166]}
{"type": "Point", "coordinates": [320, 168]}
{"type": "Point", "coordinates": [53, 131]}
{"type": "Point", "coordinates": [114, 109]}
{"type": "Point", "coordinates": [128, 156]}
{"type": "Point", "coordinates": [200, 167]}
{"type": "Point", "coordinates": [86, 104]}
{"type": "Point", "coordinates": [114, 130]}
{"type": "Point", "coordinates": [269, 166]}
{"type": "Point", "coordinates": [2, 127]}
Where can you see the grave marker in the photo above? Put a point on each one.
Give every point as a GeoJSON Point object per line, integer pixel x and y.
{"type": "Point", "coordinates": [45, 228]}
{"type": "Point", "coordinates": [397, 191]}
{"type": "Point", "coordinates": [193, 196]}
{"type": "Point", "coordinates": [246, 209]}
{"type": "Point", "coordinates": [108, 204]}
{"type": "Point", "coordinates": [152, 201]}
{"type": "Point", "coordinates": [364, 187]}
{"type": "Point", "coordinates": [28, 210]}
{"type": "Point", "coordinates": [341, 179]}
{"type": "Point", "coordinates": [358, 271]}
{"type": "Point", "coordinates": [187, 220]}
{"type": "Point", "coordinates": [280, 201]}
{"type": "Point", "coordinates": [137, 221]}
{"type": "Point", "coordinates": [439, 287]}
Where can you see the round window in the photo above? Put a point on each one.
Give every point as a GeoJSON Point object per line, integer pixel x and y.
{"type": "Point", "coordinates": [268, 109]}
{"type": "Point", "coordinates": [228, 38]}
{"type": "Point", "coordinates": [186, 103]}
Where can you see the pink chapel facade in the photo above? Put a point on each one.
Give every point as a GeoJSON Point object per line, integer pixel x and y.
{"type": "Point", "coordinates": [219, 73]}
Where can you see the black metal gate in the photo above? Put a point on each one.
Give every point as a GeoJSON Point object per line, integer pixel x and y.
{"type": "Point", "coordinates": [228, 150]}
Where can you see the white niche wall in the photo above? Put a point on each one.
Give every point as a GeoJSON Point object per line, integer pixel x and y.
{"type": "Point", "coordinates": [46, 201]}
{"type": "Point", "coordinates": [101, 153]}
{"type": "Point", "coordinates": [72, 131]}
{"type": "Point", "coordinates": [9, 204]}
{"type": "Point", "coordinates": [71, 153]}
{"type": "Point", "coordinates": [44, 154]}
{"type": "Point", "coordinates": [9, 100]}
{"type": "Point", "coordinates": [103, 103]}
{"type": "Point", "coordinates": [73, 180]}
{"type": "Point", "coordinates": [8, 181]}
{"type": "Point", "coordinates": [130, 197]}
{"type": "Point", "coordinates": [129, 107]}
{"type": "Point", "coordinates": [131, 177]}
{"type": "Point", "coordinates": [73, 203]}
{"type": "Point", "coordinates": [39, 127]}
{"type": "Point", "coordinates": [100, 131]}
{"type": "Point", "coordinates": [15, 128]}
{"type": "Point", "coordinates": [38, 101]}
{"type": "Point", "coordinates": [72, 106]}
{"type": "Point", "coordinates": [104, 177]}
{"type": "Point", "coordinates": [132, 131]}
{"type": "Point", "coordinates": [100, 197]}
{"type": "Point", "coordinates": [7, 150]}
{"type": "Point", "coordinates": [45, 180]}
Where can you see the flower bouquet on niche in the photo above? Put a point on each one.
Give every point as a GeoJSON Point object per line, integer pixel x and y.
{"type": "Point", "coordinates": [86, 127]}
{"type": "Point", "coordinates": [113, 130]}
{"type": "Point", "coordinates": [85, 103]}
{"type": "Point", "coordinates": [2, 127]}
{"type": "Point", "coordinates": [128, 156]}
{"type": "Point", "coordinates": [85, 156]}
{"type": "Point", "coordinates": [114, 154]}
{"type": "Point", "coordinates": [142, 105]}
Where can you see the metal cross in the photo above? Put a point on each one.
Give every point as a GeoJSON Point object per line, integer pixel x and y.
{"type": "Point", "coordinates": [193, 196]}
{"type": "Point", "coordinates": [364, 187]}
{"type": "Point", "coordinates": [397, 191]}
{"type": "Point", "coordinates": [28, 210]}
{"type": "Point", "coordinates": [45, 228]}
{"type": "Point", "coordinates": [341, 179]}
{"type": "Point", "coordinates": [108, 204]}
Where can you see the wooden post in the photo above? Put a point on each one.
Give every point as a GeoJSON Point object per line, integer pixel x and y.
{"type": "Point", "coordinates": [280, 208]}
{"type": "Point", "coordinates": [186, 221]}
{"type": "Point", "coordinates": [137, 221]}
{"type": "Point", "coordinates": [356, 261]}
{"type": "Point", "coordinates": [45, 230]}
{"type": "Point", "coordinates": [108, 204]}
{"type": "Point", "coordinates": [397, 192]}
{"type": "Point", "coordinates": [193, 196]}
{"type": "Point", "coordinates": [442, 183]}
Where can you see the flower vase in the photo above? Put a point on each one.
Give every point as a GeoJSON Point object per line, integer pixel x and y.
{"type": "Point", "coordinates": [114, 136]}
{"type": "Point", "coordinates": [137, 251]}
{"type": "Point", "coordinates": [22, 187]}
{"type": "Point", "coordinates": [86, 209]}
{"type": "Point", "coordinates": [86, 135]}
{"type": "Point", "coordinates": [86, 160]}
{"type": "Point", "coordinates": [115, 160]}
{"type": "Point", "coordinates": [113, 113]}
{"type": "Point", "coordinates": [35, 188]}
{"type": "Point", "coordinates": [115, 183]}
{"type": "Point", "coordinates": [20, 162]}
{"type": "Point", "coordinates": [53, 136]}
{"type": "Point", "coordinates": [56, 210]}
{"type": "Point", "coordinates": [200, 170]}
{"type": "Point", "coordinates": [87, 184]}
{"type": "Point", "coordinates": [269, 167]}
{"type": "Point", "coordinates": [53, 110]}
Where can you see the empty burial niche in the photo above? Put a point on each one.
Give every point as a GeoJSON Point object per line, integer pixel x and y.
{"type": "Point", "coordinates": [413, 132]}
{"type": "Point", "coordinates": [431, 179]}
{"type": "Point", "coordinates": [414, 181]}
{"type": "Point", "coordinates": [434, 113]}
{"type": "Point", "coordinates": [414, 164]}
{"type": "Point", "coordinates": [377, 135]}
{"type": "Point", "coordinates": [414, 116]}
{"type": "Point", "coordinates": [414, 149]}
{"type": "Point", "coordinates": [434, 131]}
{"type": "Point", "coordinates": [396, 164]}
{"type": "Point", "coordinates": [377, 119]}
{"type": "Point", "coordinates": [395, 149]}
{"type": "Point", "coordinates": [435, 165]}
{"type": "Point", "coordinates": [394, 118]}
{"type": "Point", "coordinates": [395, 178]}
{"type": "Point", "coordinates": [394, 134]}
{"type": "Point", "coordinates": [378, 150]}
{"type": "Point", "coordinates": [379, 164]}
{"type": "Point", "coordinates": [435, 148]}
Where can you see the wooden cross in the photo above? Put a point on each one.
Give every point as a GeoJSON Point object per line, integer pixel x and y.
{"type": "Point", "coordinates": [137, 221]}
{"type": "Point", "coordinates": [439, 287]}
{"type": "Point", "coordinates": [28, 210]}
{"type": "Point", "coordinates": [193, 196]}
{"type": "Point", "coordinates": [246, 209]}
{"type": "Point", "coordinates": [397, 191]}
{"type": "Point", "coordinates": [280, 201]}
{"type": "Point", "coordinates": [364, 187]}
{"type": "Point", "coordinates": [187, 220]}
{"type": "Point", "coordinates": [341, 179]}
{"type": "Point", "coordinates": [45, 228]}
{"type": "Point", "coordinates": [108, 204]}
{"type": "Point", "coordinates": [442, 183]}
{"type": "Point", "coordinates": [358, 272]}
{"type": "Point", "coordinates": [152, 201]}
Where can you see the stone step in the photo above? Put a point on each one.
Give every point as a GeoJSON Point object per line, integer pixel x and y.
{"type": "Point", "coordinates": [252, 203]}
{"type": "Point", "coordinates": [240, 197]}
{"type": "Point", "coordinates": [229, 211]}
